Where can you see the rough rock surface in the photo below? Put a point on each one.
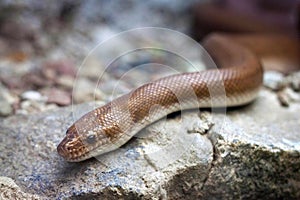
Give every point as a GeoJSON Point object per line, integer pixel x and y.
{"type": "Point", "coordinates": [251, 152]}
{"type": "Point", "coordinates": [257, 152]}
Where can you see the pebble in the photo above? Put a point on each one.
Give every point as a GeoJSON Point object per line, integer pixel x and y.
{"type": "Point", "coordinates": [33, 96]}
{"type": "Point", "coordinates": [61, 67]}
{"type": "Point", "coordinates": [5, 108]}
{"type": "Point", "coordinates": [273, 80]}
{"type": "Point", "coordinates": [28, 106]}
{"type": "Point", "coordinates": [65, 81]}
{"type": "Point", "coordinates": [114, 88]}
{"type": "Point", "coordinates": [287, 95]}
{"type": "Point", "coordinates": [57, 96]}
{"type": "Point", "coordinates": [85, 91]}
{"type": "Point", "coordinates": [92, 68]}
{"type": "Point", "coordinates": [18, 56]}
{"type": "Point", "coordinates": [6, 101]}
{"type": "Point", "coordinates": [283, 98]}
{"type": "Point", "coordinates": [203, 125]}
{"type": "Point", "coordinates": [34, 80]}
{"type": "Point", "coordinates": [290, 91]}
{"type": "Point", "coordinates": [294, 81]}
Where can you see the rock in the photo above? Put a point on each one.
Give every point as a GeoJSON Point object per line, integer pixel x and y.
{"type": "Point", "coordinates": [65, 81]}
{"type": "Point", "coordinates": [113, 88]}
{"type": "Point", "coordinates": [273, 80]}
{"type": "Point", "coordinates": [257, 149]}
{"type": "Point", "coordinates": [287, 95]}
{"type": "Point", "coordinates": [251, 152]}
{"type": "Point", "coordinates": [33, 96]}
{"type": "Point", "coordinates": [10, 190]}
{"type": "Point", "coordinates": [57, 96]}
{"type": "Point", "coordinates": [18, 56]}
{"type": "Point", "coordinates": [6, 101]}
{"type": "Point", "coordinates": [286, 87]}
{"type": "Point", "coordinates": [284, 98]}
{"type": "Point", "coordinates": [85, 90]}
{"type": "Point", "coordinates": [92, 68]}
{"type": "Point", "coordinates": [34, 80]}
{"type": "Point", "coordinates": [293, 80]}
{"type": "Point", "coordinates": [13, 29]}
{"type": "Point", "coordinates": [5, 108]}
{"type": "Point", "coordinates": [60, 67]}
{"type": "Point", "coordinates": [30, 107]}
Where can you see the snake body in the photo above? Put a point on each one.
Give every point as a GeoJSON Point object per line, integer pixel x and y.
{"type": "Point", "coordinates": [108, 127]}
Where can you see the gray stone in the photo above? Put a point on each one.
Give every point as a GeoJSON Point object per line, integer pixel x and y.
{"type": "Point", "coordinates": [10, 190]}
{"type": "Point", "coordinates": [33, 96]}
{"type": "Point", "coordinates": [286, 96]}
{"type": "Point", "coordinates": [273, 80]}
{"type": "Point", "coordinates": [57, 96]}
{"type": "Point", "coordinates": [257, 152]}
{"type": "Point", "coordinates": [85, 90]}
{"type": "Point", "coordinates": [251, 152]}
{"type": "Point", "coordinates": [6, 100]}
{"type": "Point", "coordinates": [5, 108]}
{"type": "Point", "coordinates": [145, 167]}
{"type": "Point", "coordinates": [30, 107]}
{"type": "Point", "coordinates": [294, 81]}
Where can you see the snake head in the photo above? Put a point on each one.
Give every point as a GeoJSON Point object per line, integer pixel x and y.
{"type": "Point", "coordinates": [72, 147]}
{"type": "Point", "coordinates": [88, 137]}
{"type": "Point", "coordinates": [80, 144]}
{"type": "Point", "coordinates": [100, 131]}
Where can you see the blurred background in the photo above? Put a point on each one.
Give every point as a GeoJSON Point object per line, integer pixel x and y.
{"type": "Point", "coordinates": [43, 43]}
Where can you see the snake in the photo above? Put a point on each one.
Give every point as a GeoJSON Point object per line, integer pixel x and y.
{"type": "Point", "coordinates": [241, 63]}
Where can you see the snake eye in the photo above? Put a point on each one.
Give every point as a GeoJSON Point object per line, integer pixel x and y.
{"type": "Point", "coordinates": [91, 139]}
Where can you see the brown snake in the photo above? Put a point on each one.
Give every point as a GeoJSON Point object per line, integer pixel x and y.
{"type": "Point", "coordinates": [110, 126]}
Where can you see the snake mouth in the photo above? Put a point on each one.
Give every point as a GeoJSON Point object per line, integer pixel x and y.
{"type": "Point", "coordinates": [71, 154]}
{"type": "Point", "coordinates": [72, 150]}
{"type": "Point", "coordinates": [61, 149]}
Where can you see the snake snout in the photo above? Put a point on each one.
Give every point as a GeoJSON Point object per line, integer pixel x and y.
{"type": "Point", "coordinates": [62, 150]}
{"type": "Point", "coordinates": [72, 148]}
